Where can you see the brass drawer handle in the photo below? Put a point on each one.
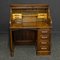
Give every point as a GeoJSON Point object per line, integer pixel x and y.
{"type": "Point", "coordinates": [43, 48]}
{"type": "Point", "coordinates": [43, 42]}
{"type": "Point", "coordinates": [44, 37]}
{"type": "Point", "coordinates": [44, 31]}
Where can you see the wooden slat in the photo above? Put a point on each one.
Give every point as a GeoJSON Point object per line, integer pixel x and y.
{"type": "Point", "coordinates": [29, 5]}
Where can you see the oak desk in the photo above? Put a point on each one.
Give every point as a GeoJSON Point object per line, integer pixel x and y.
{"type": "Point", "coordinates": [31, 24]}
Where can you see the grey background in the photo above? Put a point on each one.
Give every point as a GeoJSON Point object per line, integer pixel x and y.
{"type": "Point", "coordinates": [5, 6]}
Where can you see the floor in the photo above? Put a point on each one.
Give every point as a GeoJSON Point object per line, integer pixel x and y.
{"type": "Point", "coordinates": [27, 52]}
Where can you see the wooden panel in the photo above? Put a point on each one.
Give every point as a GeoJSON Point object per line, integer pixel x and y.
{"type": "Point", "coordinates": [29, 18]}
{"type": "Point", "coordinates": [29, 5]}
{"type": "Point", "coordinates": [24, 35]}
{"type": "Point", "coordinates": [29, 24]}
{"type": "Point", "coordinates": [42, 25]}
{"type": "Point", "coordinates": [17, 25]}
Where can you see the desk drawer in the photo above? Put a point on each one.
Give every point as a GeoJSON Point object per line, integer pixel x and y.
{"type": "Point", "coordinates": [43, 43]}
{"type": "Point", "coordinates": [44, 36]}
{"type": "Point", "coordinates": [43, 48]}
{"type": "Point", "coordinates": [46, 30]}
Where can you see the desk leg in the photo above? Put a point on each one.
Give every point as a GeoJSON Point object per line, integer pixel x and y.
{"type": "Point", "coordinates": [11, 44]}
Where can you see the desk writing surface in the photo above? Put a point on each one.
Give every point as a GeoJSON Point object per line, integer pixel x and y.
{"type": "Point", "coordinates": [40, 25]}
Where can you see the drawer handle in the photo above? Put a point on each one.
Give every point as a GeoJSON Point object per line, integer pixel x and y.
{"type": "Point", "coordinates": [44, 31]}
{"type": "Point", "coordinates": [10, 22]}
{"type": "Point", "coordinates": [44, 42]}
{"type": "Point", "coordinates": [43, 48]}
{"type": "Point", "coordinates": [44, 37]}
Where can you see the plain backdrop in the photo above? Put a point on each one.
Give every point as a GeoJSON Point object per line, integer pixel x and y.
{"type": "Point", "coordinates": [5, 7]}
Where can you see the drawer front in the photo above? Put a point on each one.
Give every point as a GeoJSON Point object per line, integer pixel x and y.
{"type": "Point", "coordinates": [43, 43]}
{"type": "Point", "coordinates": [44, 40]}
{"type": "Point", "coordinates": [43, 48]}
{"type": "Point", "coordinates": [44, 31]}
{"type": "Point", "coordinates": [42, 36]}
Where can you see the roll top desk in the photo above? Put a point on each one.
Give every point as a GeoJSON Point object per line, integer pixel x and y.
{"type": "Point", "coordinates": [31, 24]}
